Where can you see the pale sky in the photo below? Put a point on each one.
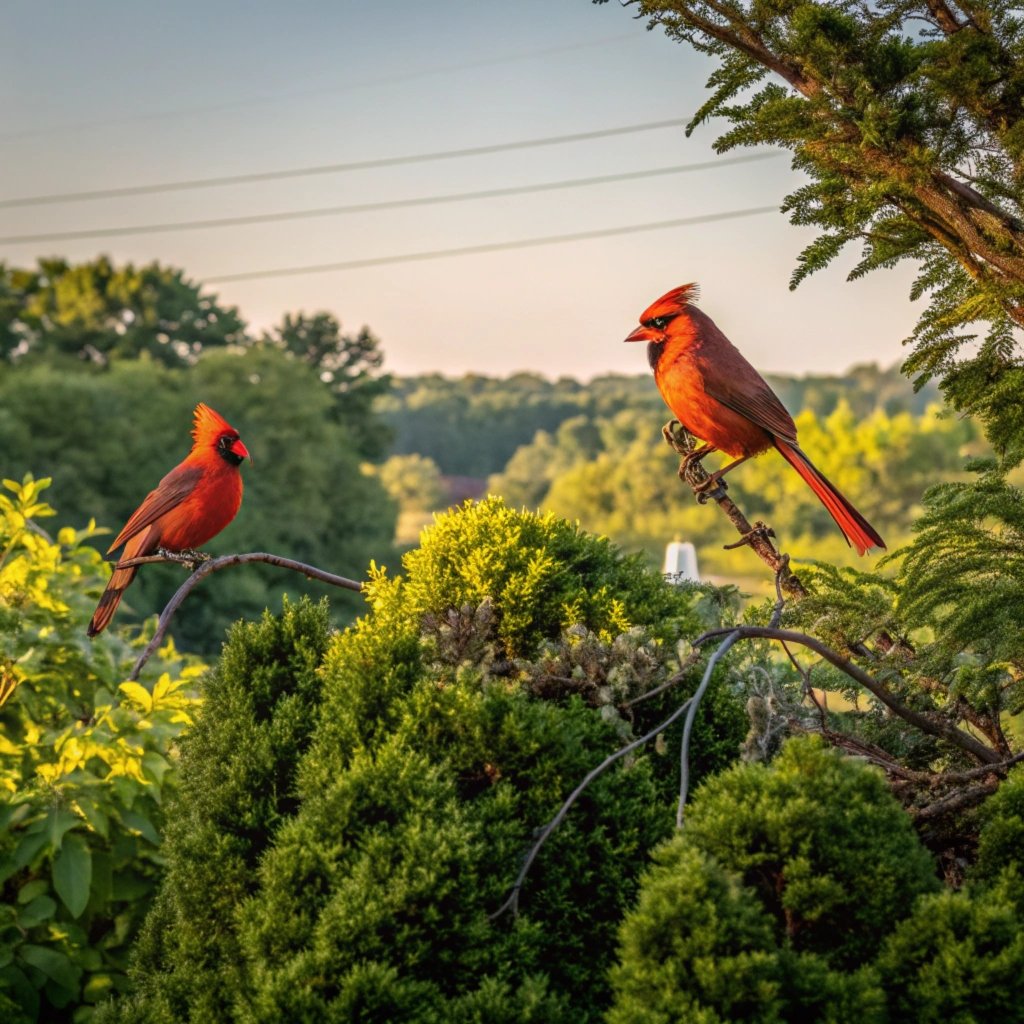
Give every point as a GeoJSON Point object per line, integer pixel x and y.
{"type": "Point", "coordinates": [116, 94]}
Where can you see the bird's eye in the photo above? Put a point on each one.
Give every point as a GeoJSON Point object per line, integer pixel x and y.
{"type": "Point", "coordinates": [658, 322]}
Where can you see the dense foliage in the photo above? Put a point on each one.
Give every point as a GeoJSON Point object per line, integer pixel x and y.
{"type": "Point", "coordinates": [617, 477]}
{"type": "Point", "coordinates": [86, 763]}
{"type": "Point", "coordinates": [473, 425]}
{"type": "Point", "coordinates": [800, 892]}
{"type": "Point", "coordinates": [343, 835]}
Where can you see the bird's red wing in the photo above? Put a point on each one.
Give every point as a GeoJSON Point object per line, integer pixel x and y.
{"type": "Point", "coordinates": [171, 492]}
{"type": "Point", "coordinates": [758, 403]}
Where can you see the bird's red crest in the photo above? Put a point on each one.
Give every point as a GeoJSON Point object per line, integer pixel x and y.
{"type": "Point", "coordinates": [208, 426]}
{"type": "Point", "coordinates": [672, 302]}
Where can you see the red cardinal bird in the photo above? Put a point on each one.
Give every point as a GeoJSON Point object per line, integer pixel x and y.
{"type": "Point", "coordinates": [721, 399]}
{"type": "Point", "coordinates": [193, 503]}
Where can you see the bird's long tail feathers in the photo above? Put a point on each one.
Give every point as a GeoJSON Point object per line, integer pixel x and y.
{"type": "Point", "coordinates": [118, 583]}
{"type": "Point", "coordinates": [857, 530]}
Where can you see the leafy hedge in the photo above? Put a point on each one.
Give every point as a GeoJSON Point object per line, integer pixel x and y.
{"type": "Point", "coordinates": [349, 869]}
{"type": "Point", "coordinates": [86, 762]}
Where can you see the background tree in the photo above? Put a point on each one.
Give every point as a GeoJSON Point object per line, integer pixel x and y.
{"type": "Point", "coordinates": [99, 312]}
{"type": "Point", "coordinates": [350, 367]}
{"type": "Point", "coordinates": [473, 425]}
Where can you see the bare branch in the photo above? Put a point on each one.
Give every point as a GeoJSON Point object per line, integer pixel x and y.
{"type": "Point", "coordinates": [694, 702]}
{"type": "Point", "coordinates": [757, 536]}
{"type": "Point", "coordinates": [512, 903]}
{"type": "Point", "coordinates": [932, 726]}
{"type": "Point", "coordinates": [213, 565]}
{"type": "Point", "coordinates": [956, 801]}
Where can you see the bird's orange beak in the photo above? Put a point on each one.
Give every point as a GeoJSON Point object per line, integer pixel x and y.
{"type": "Point", "coordinates": [240, 450]}
{"type": "Point", "coordinates": [645, 334]}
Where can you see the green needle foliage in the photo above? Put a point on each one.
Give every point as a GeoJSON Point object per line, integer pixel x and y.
{"type": "Point", "coordinates": [348, 824]}
{"type": "Point", "coordinates": [238, 767]}
{"type": "Point", "coordinates": [907, 117]}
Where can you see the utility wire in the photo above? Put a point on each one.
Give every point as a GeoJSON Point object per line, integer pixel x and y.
{"type": "Point", "coordinates": [387, 204]}
{"type": "Point", "coordinates": [471, 250]}
{"type": "Point", "coordinates": [356, 165]}
{"type": "Point", "coordinates": [288, 96]}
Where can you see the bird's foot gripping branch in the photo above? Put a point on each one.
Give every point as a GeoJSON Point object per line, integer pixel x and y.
{"type": "Point", "coordinates": [190, 558]}
{"type": "Point", "coordinates": [706, 486]}
{"type": "Point", "coordinates": [208, 565]}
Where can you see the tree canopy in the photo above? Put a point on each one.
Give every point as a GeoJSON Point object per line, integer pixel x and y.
{"type": "Point", "coordinates": [100, 312]}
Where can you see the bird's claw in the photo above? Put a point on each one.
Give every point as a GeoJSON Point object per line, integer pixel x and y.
{"type": "Point", "coordinates": [759, 530]}
{"type": "Point", "coordinates": [190, 558]}
{"type": "Point", "coordinates": [705, 490]}
{"type": "Point", "coordinates": [678, 438]}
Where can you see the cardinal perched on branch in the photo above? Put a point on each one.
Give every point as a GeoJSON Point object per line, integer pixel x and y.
{"type": "Point", "coordinates": [193, 503]}
{"type": "Point", "coordinates": [722, 400]}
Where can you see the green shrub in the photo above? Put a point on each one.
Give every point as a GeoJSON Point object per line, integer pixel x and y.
{"type": "Point", "coordinates": [831, 854]}
{"type": "Point", "coordinates": [430, 763]}
{"type": "Point", "coordinates": [237, 768]}
{"type": "Point", "coordinates": [86, 762]}
{"type": "Point", "coordinates": [774, 900]}
{"type": "Point", "coordinates": [958, 959]}
{"type": "Point", "coordinates": [1002, 831]}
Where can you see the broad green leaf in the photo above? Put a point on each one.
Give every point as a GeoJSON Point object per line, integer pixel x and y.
{"type": "Point", "coordinates": [72, 874]}
{"type": "Point", "coordinates": [29, 848]}
{"type": "Point", "coordinates": [54, 964]}
{"type": "Point", "coordinates": [30, 890]}
{"type": "Point", "coordinates": [42, 908]}
{"type": "Point", "coordinates": [25, 993]}
{"type": "Point", "coordinates": [87, 958]}
{"type": "Point", "coordinates": [135, 822]}
{"type": "Point", "coordinates": [95, 817]}
{"type": "Point", "coordinates": [155, 765]}
{"type": "Point", "coordinates": [59, 822]}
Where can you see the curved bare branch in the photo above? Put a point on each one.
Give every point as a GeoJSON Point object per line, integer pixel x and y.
{"type": "Point", "coordinates": [932, 726]}
{"type": "Point", "coordinates": [213, 565]}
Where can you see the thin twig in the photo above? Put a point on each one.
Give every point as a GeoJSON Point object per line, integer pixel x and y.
{"type": "Point", "coordinates": [684, 747]}
{"type": "Point", "coordinates": [933, 727]}
{"type": "Point", "coordinates": [512, 903]}
{"type": "Point", "coordinates": [673, 680]}
{"type": "Point", "coordinates": [215, 565]}
{"type": "Point", "coordinates": [758, 535]}
{"type": "Point", "coordinates": [694, 702]}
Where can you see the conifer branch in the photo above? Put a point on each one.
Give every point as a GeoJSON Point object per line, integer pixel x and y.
{"type": "Point", "coordinates": [203, 568]}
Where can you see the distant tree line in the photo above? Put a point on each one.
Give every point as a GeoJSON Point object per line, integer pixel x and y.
{"type": "Point", "coordinates": [473, 425]}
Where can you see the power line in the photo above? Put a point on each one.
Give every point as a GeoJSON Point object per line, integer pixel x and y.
{"type": "Point", "coordinates": [387, 204]}
{"type": "Point", "coordinates": [283, 97]}
{"type": "Point", "coordinates": [357, 165]}
{"type": "Point", "coordinates": [471, 250]}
